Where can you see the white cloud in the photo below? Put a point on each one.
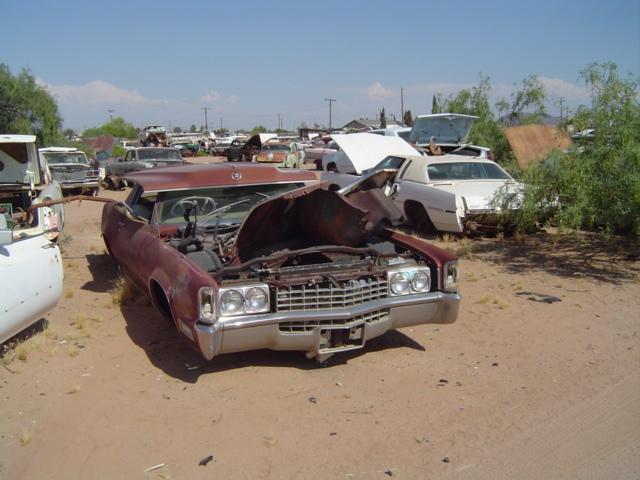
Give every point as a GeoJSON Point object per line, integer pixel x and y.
{"type": "Point", "coordinates": [98, 92]}
{"type": "Point", "coordinates": [216, 97]}
{"type": "Point", "coordinates": [556, 87]}
{"type": "Point", "coordinates": [376, 91]}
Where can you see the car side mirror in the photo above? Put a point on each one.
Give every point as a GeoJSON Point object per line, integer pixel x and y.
{"type": "Point", "coordinates": [120, 159]}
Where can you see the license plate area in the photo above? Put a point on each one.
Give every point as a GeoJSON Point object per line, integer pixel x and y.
{"type": "Point", "coordinates": [339, 339]}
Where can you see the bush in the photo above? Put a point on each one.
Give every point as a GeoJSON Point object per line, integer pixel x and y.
{"type": "Point", "coordinates": [595, 186]}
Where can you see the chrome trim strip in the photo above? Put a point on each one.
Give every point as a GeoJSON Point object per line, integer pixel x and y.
{"type": "Point", "coordinates": [233, 323]}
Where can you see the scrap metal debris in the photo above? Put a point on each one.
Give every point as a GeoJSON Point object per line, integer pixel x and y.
{"type": "Point", "coordinates": [155, 467]}
{"type": "Point", "coordinates": [205, 461]}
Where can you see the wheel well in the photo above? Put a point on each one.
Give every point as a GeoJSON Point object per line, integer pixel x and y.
{"type": "Point", "coordinates": [417, 216]}
{"type": "Point", "coordinates": [160, 301]}
{"type": "Point", "coordinates": [331, 167]}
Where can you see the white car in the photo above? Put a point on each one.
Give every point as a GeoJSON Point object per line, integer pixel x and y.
{"type": "Point", "coordinates": [30, 262]}
{"type": "Point", "coordinates": [402, 132]}
{"type": "Point", "coordinates": [447, 132]}
{"type": "Point", "coordinates": [362, 151]}
{"type": "Point", "coordinates": [448, 193]}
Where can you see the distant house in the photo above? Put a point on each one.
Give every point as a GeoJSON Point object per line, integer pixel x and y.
{"type": "Point", "coordinates": [362, 124]}
{"type": "Point", "coordinates": [103, 143]}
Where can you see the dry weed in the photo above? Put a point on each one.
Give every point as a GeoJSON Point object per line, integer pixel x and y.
{"type": "Point", "coordinates": [74, 389]}
{"type": "Point", "coordinates": [447, 238]}
{"type": "Point", "coordinates": [73, 351]}
{"type": "Point", "coordinates": [485, 299]}
{"type": "Point", "coordinates": [22, 352]}
{"type": "Point", "coordinates": [122, 292]}
{"type": "Point", "coordinates": [25, 437]}
{"type": "Point", "coordinates": [500, 303]}
{"type": "Point", "coordinates": [68, 294]}
{"type": "Point", "coordinates": [465, 248]}
{"type": "Point", "coordinates": [471, 277]}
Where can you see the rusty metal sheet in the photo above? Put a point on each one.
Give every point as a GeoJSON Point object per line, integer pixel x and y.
{"type": "Point", "coordinates": [315, 215]}
{"type": "Point", "coordinates": [533, 143]}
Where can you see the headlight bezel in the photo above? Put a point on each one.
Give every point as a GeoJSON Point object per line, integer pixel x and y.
{"type": "Point", "coordinates": [409, 273]}
{"type": "Point", "coordinates": [207, 305]}
{"type": "Point", "coordinates": [245, 309]}
{"type": "Point", "coordinates": [450, 276]}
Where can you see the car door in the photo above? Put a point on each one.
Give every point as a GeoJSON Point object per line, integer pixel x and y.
{"type": "Point", "coordinates": [440, 205]}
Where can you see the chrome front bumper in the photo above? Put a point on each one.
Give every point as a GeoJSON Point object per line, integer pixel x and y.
{"type": "Point", "coordinates": [252, 332]}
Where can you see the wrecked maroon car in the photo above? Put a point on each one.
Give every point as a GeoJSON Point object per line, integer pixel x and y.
{"type": "Point", "coordinates": [244, 257]}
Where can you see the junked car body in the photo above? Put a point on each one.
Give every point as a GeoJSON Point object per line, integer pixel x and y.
{"type": "Point", "coordinates": [141, 158]}
{"type": "Point", "coordinates": [442, 133]}
{"type": "Point", "coordinates": [451, 193]}
{"type": "Point", "coordinates": [245, 152]}
{"type": "Point", "coordinates": [361, 151]}
{"type": "Point", "coordinates": [71, 169]}
{"type": "Point", "coordinates": [30, 262]}
{"type": "Point", "coordinates": [280, 154]}
{"type": "Point", "coordinates": [240, 257]}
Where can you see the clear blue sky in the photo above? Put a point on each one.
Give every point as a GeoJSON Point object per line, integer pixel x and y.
{"type": "Point", "coordinates": [160, 62]}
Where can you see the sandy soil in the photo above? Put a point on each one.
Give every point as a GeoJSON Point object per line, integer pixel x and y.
{"type": "Point", "coordinates": [538, 378]}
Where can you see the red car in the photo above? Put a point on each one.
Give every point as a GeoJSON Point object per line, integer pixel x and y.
{"type": "Point", "coordinates": [243, 257]}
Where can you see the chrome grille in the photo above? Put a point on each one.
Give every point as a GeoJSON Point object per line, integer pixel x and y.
{"type": "Point", "coordinates": [326, 296]}
{"type": "Point", "coordinates": [81, 176]}
{"type": "Point", "coordinates": [308, 325]}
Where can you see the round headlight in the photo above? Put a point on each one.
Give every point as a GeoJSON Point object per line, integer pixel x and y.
{"type": "Point", "coordinates": [421, 281]}
{"type": "Point", "coordinates": [231, 302]}
{"type": "Point", "coordinates": [255, 299]}
{"type": "Point", "coordinates": [399, 283]}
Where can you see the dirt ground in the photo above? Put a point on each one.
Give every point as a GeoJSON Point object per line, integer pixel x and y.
{"type": "Point", "coordinates": [538, 379]}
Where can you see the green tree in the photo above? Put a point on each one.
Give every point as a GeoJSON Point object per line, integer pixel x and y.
{"type": "Point", "coordinates": [117, 127]}
{"type": "Point", "coordinates": [258, 129]}
{"type": "Point", "coordinates": [528, 98]}
{"type": "Point", "coordinates": [383, 119]}
{"type": "Point", "coordinates": [27, 108]}
{"type": "Point", "coordinates": [485, 131]}
{"type": "Point", "coordinates": [177, 130]}
{"type": "Point", "coordinates": [68, 133]}
{"type": "Point", "coordinates": [407, 119]}
{"type": "Point", "coordinates": [435, 103]}
{"type": "Point", "coordinates": [193, 128]}
{"type": "Point", "coordinates": [221, 131]}
{"type": "Point", "coordinates": [596, 185]}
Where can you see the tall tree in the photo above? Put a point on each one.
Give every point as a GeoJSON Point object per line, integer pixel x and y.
{"type": "Point", "coordinates": [528, 98]}
{"type": "Point", "coordinates": [407, 120]}
{"type": "Point", "coordinates": [383, 119]}
{"type": "Point", "coordinates": [435, 103]}
{"type": "Point", "coordinates": [27, 108]}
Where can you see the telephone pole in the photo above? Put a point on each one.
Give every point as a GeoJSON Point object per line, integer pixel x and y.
{"type": "Point", "coordinates": [206, 121]}
{"type": "Point", "coordinates": [561, 101]}
{"type": "Point", "coordinates": [330, 100]}
{"type": "Point", "coordinates": [111, 110]}
{"type": "Point", "coordinates": [279, 122]}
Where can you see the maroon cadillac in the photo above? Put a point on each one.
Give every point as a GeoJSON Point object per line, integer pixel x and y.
{"type": "Point", "coordinates": [245, 256]}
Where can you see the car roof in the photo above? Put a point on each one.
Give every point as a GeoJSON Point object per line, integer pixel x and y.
{"type": "Point", "coordinates": [17, 138]}
{"type": "Point", "coordinates": [448, 158]}
{"type": "Point", "coordinates": [216, 174]}
{"type": "Point", "coordinates": [57, 150]}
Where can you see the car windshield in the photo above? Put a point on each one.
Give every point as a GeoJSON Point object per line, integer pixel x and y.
{"type": "Point", "coordinates": [239, 200]}
{"type": "Point", "coordinates": [160, 154]}
{"type": "Point", "coordinates": [466, 171]}
{"type": "Point", "coordinates": [389, 162]}
{"type": "Point", "coordinates": [66, 158]}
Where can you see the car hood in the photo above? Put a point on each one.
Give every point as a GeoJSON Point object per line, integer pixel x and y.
{"type": "Point", "coordinates": [484, 194]}
{"type": "Point", "coordinates": [447, 128]}
{"type": "Point", "coordinates": [316, 215]}
{"type": "Point", "coordinates": [365, 150]}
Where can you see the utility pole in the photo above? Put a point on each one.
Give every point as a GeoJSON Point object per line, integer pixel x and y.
{"type": "Point", "coordinates": [111, 110]}
{"type": "Point", "coordinates": [330, 100]}
{"type": "Point", "coordinates": [220, 123]}
{"type": "Point", "coordinates": [206, 121]}
{"type": "Point", "coordinates": [279, 122]}
{"type": "Point", "coordinates": [561, 101]}
{"type": "Point", "coordinates": [402, 106]}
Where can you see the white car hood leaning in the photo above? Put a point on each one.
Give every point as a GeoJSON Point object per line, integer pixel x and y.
{"type": "Point", "coordinates": [366, 150]}
{"type": "Point", "coordinates": [484, 194]}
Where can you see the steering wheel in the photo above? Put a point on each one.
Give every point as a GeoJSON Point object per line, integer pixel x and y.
{"type": "Point", "coordinates": [205, 205]}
